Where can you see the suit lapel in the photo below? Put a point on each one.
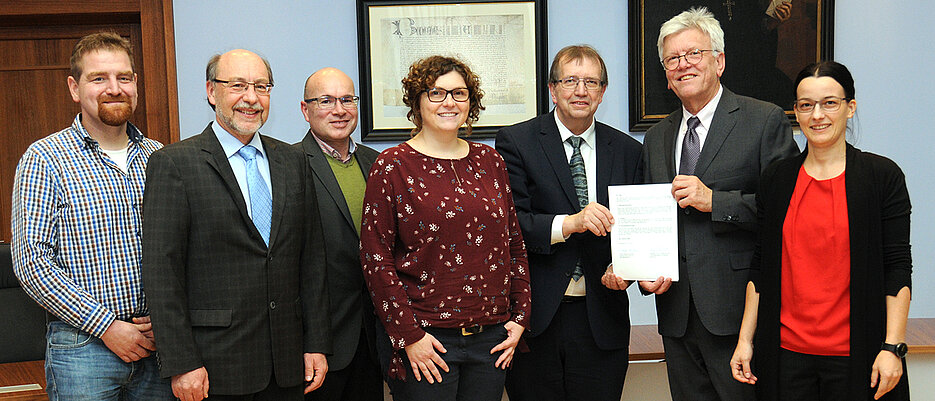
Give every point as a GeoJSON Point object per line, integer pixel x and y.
{"type": "Point", "coordinates": [671, 134]}
{"type": "Point", "coordinates": [721, 127]}
{"type": "Point", "coordinates": [605, 161]}
{"type": "Point", "coordinates": [215, 157]}
{"type": "Point", "coordinates": [277, 180]}
{"type": "Point", "coordinates": [551, 142]}
{"type": "Point", "coordinates": [322, 170]}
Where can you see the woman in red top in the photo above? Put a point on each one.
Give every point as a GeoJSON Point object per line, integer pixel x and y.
{"type": "Point", "coordinates": [830, 282]}
{"type": "Point", "coordinates": [441, 249]}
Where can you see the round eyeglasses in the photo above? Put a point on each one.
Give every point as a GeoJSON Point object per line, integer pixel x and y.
{"type": "Point", "coordinates": [691, 57]}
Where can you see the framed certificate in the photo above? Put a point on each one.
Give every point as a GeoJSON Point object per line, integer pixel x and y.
{"type": "Point", "coordinates": [503, 42]}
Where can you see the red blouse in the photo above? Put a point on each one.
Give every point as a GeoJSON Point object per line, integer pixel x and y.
{"type": "Point", "coordinates": [440, 243]}
{"type": "Point", "coordinates": [816, 269]}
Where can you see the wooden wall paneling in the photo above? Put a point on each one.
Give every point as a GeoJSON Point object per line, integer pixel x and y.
{"type": "Point", "coordinates": [40, 35]}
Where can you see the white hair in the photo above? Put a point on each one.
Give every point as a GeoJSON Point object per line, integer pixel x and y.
{"type": "Point", "coordinates": [695, 18]}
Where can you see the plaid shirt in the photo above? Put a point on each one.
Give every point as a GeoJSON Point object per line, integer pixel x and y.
{"type": "Point", "coordinates": [76, 228]}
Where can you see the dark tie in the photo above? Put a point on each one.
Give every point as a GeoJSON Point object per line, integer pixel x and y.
{"type": "Point", "coordinates": [580, 178]}
{"type": "Point", "coordinates": [691, 148]}
{"type": "Point", "coordinates": [261, 205]}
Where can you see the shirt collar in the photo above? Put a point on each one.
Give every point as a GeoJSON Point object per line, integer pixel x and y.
{"type": "Point", "coordinates": [706, 114]}
{"type": "Point", "coordinates": [88, 142]}
{"type": "Point", "coordinates": [331, 151]}
{"type": "Point", "coordinates": [565, 133]}
{"type": "Point", "coordinates": [232, 145]}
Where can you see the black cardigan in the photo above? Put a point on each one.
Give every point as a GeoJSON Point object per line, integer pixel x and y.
{"type": "Point", "coordinates": [881, 263]}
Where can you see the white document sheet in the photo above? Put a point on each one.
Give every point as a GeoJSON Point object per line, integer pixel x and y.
{"type": "Point", "coordinates": [644, 237]}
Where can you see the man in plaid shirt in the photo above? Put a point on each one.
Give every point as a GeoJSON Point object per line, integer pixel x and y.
{"type": "Point", "coordinates": [76, 234]}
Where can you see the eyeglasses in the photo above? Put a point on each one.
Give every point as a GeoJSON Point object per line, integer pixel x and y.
{"type": "Point", "coordinates": [829, 104]}
{"type": "Point", "coordinates": [328, 102]}
{"type": "Point", "coordinates": [261, 88]}
{"type": "Point", "coordinates": [572, 83]}
{"type": "Point", "coordinates": [438, 95]}
{"type": "Point", "coordinates": [691, 57]}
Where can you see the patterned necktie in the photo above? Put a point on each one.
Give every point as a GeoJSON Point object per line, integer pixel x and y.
{"type": "Point", "coordinates": [580, 178]}
{"type": "Point", "coordinates": [691, 148]}
{"type": "Point", "coordinates": [261, 205]}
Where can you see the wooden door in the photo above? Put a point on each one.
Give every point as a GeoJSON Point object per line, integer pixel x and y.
{"type": "Point", "coordinates": [36, 40]}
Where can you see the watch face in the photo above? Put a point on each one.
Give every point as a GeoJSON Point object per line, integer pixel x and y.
{"type": "Point", "coordinates": [901, 349]}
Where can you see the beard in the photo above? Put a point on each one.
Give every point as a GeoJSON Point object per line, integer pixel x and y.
{"type": "Point", "coordinates": [114, 114]}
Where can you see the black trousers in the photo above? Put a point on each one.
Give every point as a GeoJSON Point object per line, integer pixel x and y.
{"type": "Point", "coordinates": [804, 377]}
{"type": "Point", "coordinates": [564, 362]}
{"type": "Point", "coordinates": [359, 381]}
{"type": "Point", "coordinates": [698, 365]}
{"type": "Point", "coordinates": [272, 392]}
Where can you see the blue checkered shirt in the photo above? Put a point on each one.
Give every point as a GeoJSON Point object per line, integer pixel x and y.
{"type": "Point", "coordinates": [76, 228]}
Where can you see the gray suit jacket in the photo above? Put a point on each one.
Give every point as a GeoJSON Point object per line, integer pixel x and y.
{"type": "Point", "coordinates": [715, 249]}
{"type": "Point", "coordinates": [351, 308]}
{"type": "Point", "coordinates": [219, 297]}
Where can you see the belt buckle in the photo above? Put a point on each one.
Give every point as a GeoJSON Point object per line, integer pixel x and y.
{"type": "Point", "coordinates": [470, 331]}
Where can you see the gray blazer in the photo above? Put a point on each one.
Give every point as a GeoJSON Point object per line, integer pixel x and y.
{"type": "Point", "coordinates": [219, 297]}
{"type": "Point", "coordinates": [715, 248]}
{"type": "Point", "coordinates": [351, 308]}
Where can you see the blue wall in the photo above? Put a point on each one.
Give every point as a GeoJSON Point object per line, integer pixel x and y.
{"type": "Point", "coordinates": [887, 45]}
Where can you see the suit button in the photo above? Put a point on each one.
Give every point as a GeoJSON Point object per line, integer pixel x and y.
{"type": "Point", "coordinates": [686, 211]}
{"type": "Point", "coordinates": [272, 304]}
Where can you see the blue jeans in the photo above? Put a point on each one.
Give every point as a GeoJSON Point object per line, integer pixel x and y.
{"type": "Point", "coordinates": [79, 367]}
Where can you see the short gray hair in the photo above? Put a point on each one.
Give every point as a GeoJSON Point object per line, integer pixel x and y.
{"type": "Point", "coordinates": [695, 18]}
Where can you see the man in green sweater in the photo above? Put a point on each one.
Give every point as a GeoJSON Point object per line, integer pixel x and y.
{"type": "Point", "coordinates": [339, 168]}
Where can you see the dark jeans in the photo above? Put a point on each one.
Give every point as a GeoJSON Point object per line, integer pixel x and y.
{"type": "Point", "coordinates": [804, 377]}
{"type": "Point", "coordinates": [471, 376]}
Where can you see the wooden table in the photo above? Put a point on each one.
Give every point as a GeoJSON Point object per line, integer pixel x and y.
{"type": "Point", "coordinates": [23, 373]}
{"type": "Point", "coordinates": [646, 344]}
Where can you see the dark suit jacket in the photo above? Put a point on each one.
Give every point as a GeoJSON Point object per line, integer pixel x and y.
{"type": "Point", "coordinates": [878, 212]}
{"type": "Point", "coordinates": [219, 297]}
{"type": "Point", "coordinates": [542, 188]}
{"type": "Point", "coordinates": [350, 302]}
{"type": "Point", "coordinates": [715, 248]}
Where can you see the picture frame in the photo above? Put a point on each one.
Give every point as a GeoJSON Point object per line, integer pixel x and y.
{"type": "Point", "coordinates": [503, 42]}
{"type": "Point", "coordinates": [763, 55]}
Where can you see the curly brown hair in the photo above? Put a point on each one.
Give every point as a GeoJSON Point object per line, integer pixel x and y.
{"type": "Point", "coordinates": [422, 76]}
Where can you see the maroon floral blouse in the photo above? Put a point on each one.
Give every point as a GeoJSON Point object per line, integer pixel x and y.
{"type": "Point", "coordinates": [440, 244]}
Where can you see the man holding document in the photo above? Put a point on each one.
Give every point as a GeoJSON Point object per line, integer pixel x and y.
{"type": "Point", "coordinates": [711, 150]}
{"type": "Point", "coordinates": [560, 166]}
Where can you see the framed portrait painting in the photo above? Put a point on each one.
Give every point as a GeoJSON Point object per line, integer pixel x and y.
{"type": "Point", "coordinates": [766, 44]}
{"type": "Point", "coordinates": [503, 42]}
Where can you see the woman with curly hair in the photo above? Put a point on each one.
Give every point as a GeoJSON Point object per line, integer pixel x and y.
{"type": "Point", "coordinates": [441, 248]}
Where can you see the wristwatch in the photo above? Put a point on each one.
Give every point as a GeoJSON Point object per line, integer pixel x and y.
{"type": "Point", "coordinates": [898, 349]}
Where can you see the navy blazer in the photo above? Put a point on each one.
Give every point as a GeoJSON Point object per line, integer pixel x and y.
{"type": "Point", "coordinates": [542, 188]}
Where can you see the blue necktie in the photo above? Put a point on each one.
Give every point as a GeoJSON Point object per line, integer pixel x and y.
{"type": "Point", "coordinates": [261, 204]}
{"type": "Point", "coordinates": [580, 178]}
{"type": "Point", "coordinates": [691, 148]}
